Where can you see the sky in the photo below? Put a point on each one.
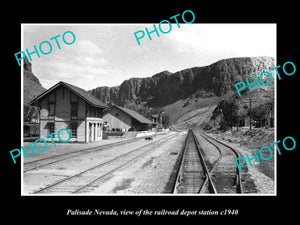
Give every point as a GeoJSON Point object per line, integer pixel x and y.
{"type": "Point", "coordinates": [108, 54]}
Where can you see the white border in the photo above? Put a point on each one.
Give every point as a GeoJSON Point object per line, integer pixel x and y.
{"type": "Point", "coordinates": [170, 195]}
{"type": "Point", "coordinates": [275, 120]}
{"type": "Point", "coordinates": [22, 110]}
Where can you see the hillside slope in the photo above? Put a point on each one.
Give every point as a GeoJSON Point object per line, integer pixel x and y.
{"type": "Point", "coordinates": [165, 87]}
{"type": "Point", "coordinates": [187, 90]}
{"type": "Point", "coordinates": [32, 85]}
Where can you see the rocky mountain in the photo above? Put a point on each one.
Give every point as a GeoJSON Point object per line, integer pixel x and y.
{"type": "Point", "coordinates": [32, 85]}
{"type": "Point", "coordinates": [189, 97]}
{"type": "Point", "coordinates": [166, 88]}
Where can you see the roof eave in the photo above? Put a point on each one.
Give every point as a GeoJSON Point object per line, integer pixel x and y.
{"type": "Point", "coordinates": [96, 106]}
{"type": "Point", "coordinates": [142, 122]}
{"type": "Point", "coordinates": [70, 89]}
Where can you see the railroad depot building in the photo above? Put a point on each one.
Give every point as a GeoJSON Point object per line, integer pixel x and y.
{"type": "Point", "coordinates": [67, 106]}
{"type": "Point", "coordinates": [124, 119]}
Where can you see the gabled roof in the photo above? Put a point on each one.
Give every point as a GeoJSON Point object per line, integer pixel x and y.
{"type": "Point", "coordinates": [134, 115]}
{"type": "Point", "coordinates": [85, 95]}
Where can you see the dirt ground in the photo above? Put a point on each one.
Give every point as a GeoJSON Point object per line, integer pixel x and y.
{"type": "Point", "coordinates": [62, 148]}
{"type": "Point", "coordinates": [148, 174]}
{"type": "Point", "coordinates": [254, 138]}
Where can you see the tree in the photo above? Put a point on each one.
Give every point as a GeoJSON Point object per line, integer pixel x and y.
{"type": "Point", "coordinates": [229, 113]}
{"type": "Point", "coordinates": [30, 112]}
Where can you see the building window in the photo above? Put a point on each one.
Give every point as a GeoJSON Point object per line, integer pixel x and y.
{"type": "Point", "coordinates": [100, 113]}
{"type": "Point", "coordinates": [51, 108]}
{"type": "Point", "coordinates": [116, 114]}
{"type": "Point", "coordinates": [91, 113]}
{"type": "Point", "coordinates": [51, 128]}
{"type": "Point", "coordinates": [74, 109]}
{"type": "Point", "coordinates": [73, 129]}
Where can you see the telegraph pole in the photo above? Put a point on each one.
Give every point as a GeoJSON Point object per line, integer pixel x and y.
{"type": "Point", "coordinates": [250, 114]}
{"type": "Point", "coordinates": [221, 119]}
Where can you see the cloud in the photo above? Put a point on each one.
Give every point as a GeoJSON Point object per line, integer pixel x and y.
{"type": "Point", "coordinates": [108, 54]}
{"type": "Point", "coordinates": [86, 53]}
{"type": "Point", "coordinates": [234, 39]}
{"type": "Point", "coordinates": [88, 48]}
{"type": "Point", "coordinates": [75, 63]}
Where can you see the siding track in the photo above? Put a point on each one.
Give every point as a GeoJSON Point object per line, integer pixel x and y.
{"type": "Point", "coordinates": [92, 177]}
{"type": "Point", "coordinates": [40, 163]}
{"type": "Point", "coordinates": [225, 174]}
{"type": "Point", "coordinates": [193, 176]}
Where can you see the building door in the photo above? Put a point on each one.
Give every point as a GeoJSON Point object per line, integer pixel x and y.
{"type": "Point", "coordinates": [90, 132]}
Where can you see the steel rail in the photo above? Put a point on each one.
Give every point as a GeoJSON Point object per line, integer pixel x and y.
{"type": "Point", "coordinates": [178, 176]}
{"type": "Point", "coordinates": [208, 173]}
{"type": "Point", "coordinates": [80, 152]}
{"type": "Point", "coordinates": [239, 177]}
{"type": "Point", "coordinates": [157, 143]}
{"type": "Point", "coordinates": [179, 170]}
{"type": "Point", "coordinates": [216, 163]}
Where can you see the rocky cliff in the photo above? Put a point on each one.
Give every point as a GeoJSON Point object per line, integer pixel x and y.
{"type": "Point", "coordinates": [32, 85]}
{"type": "Point", "coordinates": [166, 88]}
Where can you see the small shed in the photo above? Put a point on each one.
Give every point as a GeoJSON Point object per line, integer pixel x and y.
{"type": "Point", "coordinates": [124, 119]}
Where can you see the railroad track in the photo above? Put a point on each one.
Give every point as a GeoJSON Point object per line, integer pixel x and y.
{"type": "Point", "coordinates": [194, 176]}
{"type": "Point", "coordinates": [89, 179]}
{"type": "Point", "coordinates": [224, 173]}
{"type": "Point", "coordinates": [37, 164]}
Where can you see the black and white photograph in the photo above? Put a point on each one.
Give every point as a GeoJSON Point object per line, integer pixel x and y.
{"type": "Point", "coordinates": [143, 109]}
{"type": "Point", "coordinates": [149, 113]}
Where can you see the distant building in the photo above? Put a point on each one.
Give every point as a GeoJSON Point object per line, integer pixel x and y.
{"type": "Point", "coordinates": [158, 119]}
{"type": "Point", "coordinates": [31, 121]}
{"type": "Point", "coordinates": [31, 129]}
{"type": "Point", "coordinates": [266, 121]}
{"type": "Point", "coordinates": [270, 117]}
{"type": "Point", "coordinates": [120, 118]}
{"type": "Point", "coordinates": [67, 106]}
{"type": "Point", "coordinates": [245, 122]}
{"type": "Point", "coordinates": [155, 117]}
